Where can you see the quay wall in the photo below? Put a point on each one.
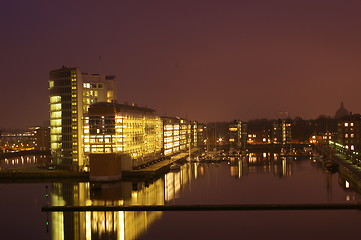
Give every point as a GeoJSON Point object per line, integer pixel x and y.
{"type": "Point", "coordinates": [353, 178]}
{"type": "Point", "coordinates": [348, 171]}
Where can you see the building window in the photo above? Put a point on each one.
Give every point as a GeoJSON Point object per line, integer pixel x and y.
{"type": "Point", "coordinates": [346, 124]}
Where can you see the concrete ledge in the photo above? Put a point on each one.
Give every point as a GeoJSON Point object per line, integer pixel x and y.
{"type": "Point", "coordinates": [239, 207]}
{"type": "Point", "coordinates": [105, 178]}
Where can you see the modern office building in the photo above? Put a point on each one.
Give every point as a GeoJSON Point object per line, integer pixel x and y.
{"type": "Point", "coordinates": [199, 135]}
{"type": "Point", "coordinates": [124, 129]}
{"type": "Point", "coordinates": [185, 140]}
{"type": "Point", "coordinates": [180, 134]}
{"type": "Point", "coordinates": [71, 94]}
{"type": "Point", "coordinates": [171, 135]}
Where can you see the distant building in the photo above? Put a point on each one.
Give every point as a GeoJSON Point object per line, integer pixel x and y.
{"type": "Point", "coordinates": [71, 94]}
{"type": "Point", "coordinates": [199, 135]}
{"type": "Point", "coordinates": [238, 135]}
{"type": "Point", "coordinates": [124, 129]}
{"type": "Point", "coordinates": [176, 135]}
{"type": "Point", "coordinates": [17, 140]}
{"type": "Point", "coordinates": [217, 135]}
{"type": "Point", "coordinates": [322, 138]}
{"type": "Point", "coordinates": [281, 132]}
{"type": "Point", "coordinates": [41, 138]}
{"type": "Point", "coordinates": [349, 135]}
{"type": "Point", "coordinates": [342, 112]}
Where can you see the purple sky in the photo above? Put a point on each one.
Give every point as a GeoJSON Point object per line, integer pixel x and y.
{"type": "Point", "coordinates": [210, 60]}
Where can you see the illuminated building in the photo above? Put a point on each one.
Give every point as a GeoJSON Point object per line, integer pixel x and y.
{"type": "Point", "coordinates": [234, 134]}
{"type": "Point", "coordinates": [71, 93]}
{"type": "Point", "coordinates": [198, 134]}
{"type": "Point", "coordinates": [125, 129]}
{"type": "Point", "coordinates": [349, 132]}
{"type": "Point", "coordinates": [321, 138]}
{"type": "Point", "coordinates": [184, 134]}
{"type": "Point", "coordinates": [176, 135]}
{"type": "Point", "coordinates": [238, 135]}
{"type": "Point", "coordinates": [18, 140]}
{"type": "Point", "coordinates": [281, 132]}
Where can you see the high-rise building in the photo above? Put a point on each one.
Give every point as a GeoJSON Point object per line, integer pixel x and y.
{"type": "Point", "coordinates": [71, 94]}
{"type": "Point", "coordinates": [238, 135]}
{"type": "Point", "coordinates": [281, 132]}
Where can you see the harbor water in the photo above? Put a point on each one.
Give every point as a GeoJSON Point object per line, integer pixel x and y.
{"type": "Point", "coordinates": [262, 178]}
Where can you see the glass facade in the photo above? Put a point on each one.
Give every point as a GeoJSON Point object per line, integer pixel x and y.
{"type": "Point", "coordinates": [124, 129]}
{"type": "Point", "coordinates": [176, 134]}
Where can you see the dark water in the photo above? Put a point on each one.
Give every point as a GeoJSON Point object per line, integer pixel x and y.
{"type": "Point", "coordinates": [261, 178]}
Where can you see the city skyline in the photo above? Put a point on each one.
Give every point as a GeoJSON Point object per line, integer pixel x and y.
{"type": "Point", "coordinates": [210, 62]}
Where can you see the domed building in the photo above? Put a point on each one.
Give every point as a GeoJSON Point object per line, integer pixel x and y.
{"type": "Point", "coordinates": [341, 112]}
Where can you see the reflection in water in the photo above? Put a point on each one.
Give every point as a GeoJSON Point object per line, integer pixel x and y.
{"type": "Point", "coordinates": [261, 163]}
{"type": "Point", "coordinates": [9, 163]}
{"type": "Point", "coordinates": [352, 192]}
{"type": "Point", "coordinates": [168, 190]}
{"type": "Point", "coordinates": [118, 224]}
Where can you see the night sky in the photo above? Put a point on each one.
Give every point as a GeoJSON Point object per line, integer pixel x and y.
{"type": "Point", "coordinates": [208, 60]}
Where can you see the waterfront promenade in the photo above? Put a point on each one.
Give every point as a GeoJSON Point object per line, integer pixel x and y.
{"type": "Point", "coordinates": [158, 168]}
{"type": "Point", "coordinates": [350, 171]}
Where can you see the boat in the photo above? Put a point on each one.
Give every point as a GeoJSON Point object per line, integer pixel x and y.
{"type": "Point", "coordinates": [330, 165]}
{"type": "Point", "coordinates": [175, 167]}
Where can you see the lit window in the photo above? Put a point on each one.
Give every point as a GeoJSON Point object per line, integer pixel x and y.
{"type": "Point", "coordinates": [55, 99]}
{"type": "Point", "coordinates": [351, 124]}
{"type": "Point", "coordinates": [352, 135]}
{"type": "Point", "coordinates": [346, 124]}
{"type": "Point", "coordinates": [346, 135]}
{"type": "Point", "coordinates": [352, 147]}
